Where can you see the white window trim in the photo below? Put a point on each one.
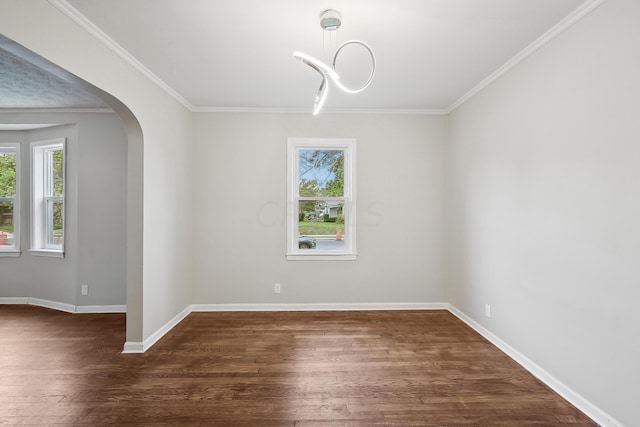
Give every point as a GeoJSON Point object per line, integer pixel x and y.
{"type": "Point", "coordinates": [349, 146]}
{"type": "Point", "coordinates": [13, 251]}
{"type": "Point", "coordinates": [39, 245]}
{"type": "Point", "coordinates": [50, 253]}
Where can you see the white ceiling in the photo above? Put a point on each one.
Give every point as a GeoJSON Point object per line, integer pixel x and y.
{"type": "Point", "coordinates": [237, 54]}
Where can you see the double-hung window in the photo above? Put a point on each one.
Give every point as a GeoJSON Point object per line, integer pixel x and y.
{"type": "Point", "coordinates": [321, 199]}
{"type": "Point", "coordinates": [48, 197]}
{"type": "Point", "coordinates": [9, 199]}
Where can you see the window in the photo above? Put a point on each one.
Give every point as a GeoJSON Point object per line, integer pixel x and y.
{"type": "Point", "coordinates": [321, 199]}
{"type": "Point", "coordinates": [9, 199]}
{"type": "Point", "coordinates": [47, 205]}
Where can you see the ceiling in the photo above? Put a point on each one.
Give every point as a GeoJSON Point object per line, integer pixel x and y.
{"type": "Point", "coordinates": [24, 85]}
{"type": "Point", "coordinates": [237, 54]}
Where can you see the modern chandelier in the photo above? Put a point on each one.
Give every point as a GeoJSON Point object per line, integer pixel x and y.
{"type": "Point", "coordinates": [330, 20]}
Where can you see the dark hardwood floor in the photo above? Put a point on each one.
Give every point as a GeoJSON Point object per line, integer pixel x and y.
{"type": "Point", "coordinates": [400, 368]}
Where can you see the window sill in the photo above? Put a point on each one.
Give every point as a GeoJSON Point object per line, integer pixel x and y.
{"type": "Point", "coordinates": [321, 257]}
{"type": "Point", "coordinates": [10, 254]}
{"type": "Point", "coordinates": [47, 253]}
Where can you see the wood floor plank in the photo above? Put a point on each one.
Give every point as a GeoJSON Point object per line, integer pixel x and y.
{"type": "Point", "coordinates": [400, 368]}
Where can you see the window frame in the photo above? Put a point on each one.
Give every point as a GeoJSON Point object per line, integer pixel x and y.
{"type": "Point", "coordinates": [42, 197]}
{"type": "Point", "coordinates": [348, 146]}
{"type": "Point", "coordinates": [14, 250]}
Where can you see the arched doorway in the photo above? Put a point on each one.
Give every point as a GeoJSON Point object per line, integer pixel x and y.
{"type": "Point", "coordinates": [134, 170]}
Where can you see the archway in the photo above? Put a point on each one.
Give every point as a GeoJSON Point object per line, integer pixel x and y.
{"type": "Point", "coordinates": [134, 215]}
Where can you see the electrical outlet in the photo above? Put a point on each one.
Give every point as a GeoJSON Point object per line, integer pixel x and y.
{"type": "Point", "coordinates": [84, 289]}
{"type": "Point", "coordinates": [276, 288]}
{"type": "Point", "coordinates": [487, 310]}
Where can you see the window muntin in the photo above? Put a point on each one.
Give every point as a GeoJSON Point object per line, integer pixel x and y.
{"type": "Point", "coordinates": [321, 199]}
{"type": "Point", "coordinates": [48, 200]}
{"type": "Point", "coordinates": [54, 196]}
{"type": "Point", "coordinates": [9, 199]}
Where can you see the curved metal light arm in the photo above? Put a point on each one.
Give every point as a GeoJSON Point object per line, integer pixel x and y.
{"type": "Point", "coordinates": [320, 97]}
{"type": "Point", "coordinates": [373, 67]}
{"type": "Point", "coordinates": [330, 73]}
{"type": "Point", "coordinates": [317, 65]}
{"type": "Point", "coordinates": [325, 71]}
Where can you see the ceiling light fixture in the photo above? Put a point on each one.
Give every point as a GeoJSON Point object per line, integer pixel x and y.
{"type": "Point", "coordinates": [331, 20]}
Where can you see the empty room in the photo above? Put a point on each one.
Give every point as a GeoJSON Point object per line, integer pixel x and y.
{"type": "Point", "coordinates": [287, 213]}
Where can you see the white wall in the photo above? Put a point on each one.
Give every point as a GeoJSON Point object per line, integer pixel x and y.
{"type": "Point", "coordinates": [545, 208]}
{"type": "Point", "coordinates": [102, 219]}
{"type": "Point", "coordinates": [240, 210]}
{"type": "Point", "coordinates": [159, 268]}
{"type": "Point", "coordinates": [168, 248]}
{"type": "Point", "coordinates": [95, 226]}
{"type": "Point", "coordinates": [543, 189]}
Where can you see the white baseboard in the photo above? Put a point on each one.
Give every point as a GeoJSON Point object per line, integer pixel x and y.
{"type": "Point", "coordinates": [320, 307]}
{"type": "Point", "coordinates": [141, 347]}
{"type": "Point", "coordinates": [101, 309]}
{"type": "Point", "coordinates": [133, 347]}
{"type": "Point", "coordinates": [52, 304]}
{"type": "Point", "coordinates": [68, 308]}
{"type": "Point", "coordinates": [14, 300]}
{"type": "Point", "coordinates": [591, 410]}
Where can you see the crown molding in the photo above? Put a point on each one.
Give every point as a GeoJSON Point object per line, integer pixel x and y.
{"type": "Point", "coordinates": [248, 110]}
{"type": "Point", "coordinates": [417, 111]}
{"type": "Point", "coordinates": [556, 30]}
{"type": "Point", "coordinates": [56, 110]}
{"type": "Point", "coordinates": [96, 32]}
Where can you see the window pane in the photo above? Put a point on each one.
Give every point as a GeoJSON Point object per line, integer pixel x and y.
{"type": "Point", "coordinates": [55, 232]}
{"type": "Point", "coordinates": [321, 225]}
{"type": "Point", "coordinates": [6, 224]}
{"type": "Point", "coordinates": [58, 172]}
{"type": "Point", "coordinates": [321, 173]}
{"type": "Point", "coordinates": [7, 174]}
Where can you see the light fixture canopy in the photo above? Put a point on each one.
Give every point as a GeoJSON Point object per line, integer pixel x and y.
{"type": "Point", "coordinates": [330, 20]}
